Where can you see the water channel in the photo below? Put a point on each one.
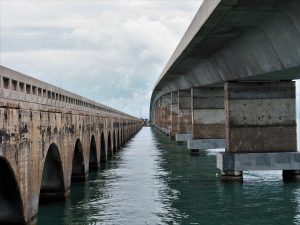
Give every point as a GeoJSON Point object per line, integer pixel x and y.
{"type": "Point", "coordinates": [152, 180]}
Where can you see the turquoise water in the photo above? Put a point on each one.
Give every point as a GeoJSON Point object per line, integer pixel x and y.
{"type": "Point", "coordinates": [155, 181]}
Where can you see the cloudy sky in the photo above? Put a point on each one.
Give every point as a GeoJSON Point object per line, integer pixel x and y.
{"type": "Point", "coordinates": [107, 50]}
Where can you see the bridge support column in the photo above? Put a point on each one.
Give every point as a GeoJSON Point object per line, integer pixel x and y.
{"type": "Point", "coordinates": [168, 113]}
{"type": "Point", "coordinates": [207, 119]}
{"type": "Point", "coordinates": [174, 115]}
{"type": "Point", "coordinates": [164, 114]}
{"type": "Point", "coordinates": [158, 113]}
{"type": "Point", "coordinates": [184, 116]}
{"type": "Point", "coordinates": [260, 129]}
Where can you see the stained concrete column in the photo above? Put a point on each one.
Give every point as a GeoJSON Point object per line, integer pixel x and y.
{"type": "Point", "coordinates": [174, 114]}
{"type": "Point", "coordinates": [208, 118]}
{"type": "Point", "coordinates": [168, 113]}
{"type": "Point", "coordinates": [164, 112]}
{"type": "Point", "coordinates": [184, 116]}
{"type": "Point", "coordinates": [260, 128]}
{"type": "Point", "coordinates": [157, 113]}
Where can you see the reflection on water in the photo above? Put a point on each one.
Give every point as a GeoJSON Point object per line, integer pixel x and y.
{"type": "Point", "coordinates": [155, 181]}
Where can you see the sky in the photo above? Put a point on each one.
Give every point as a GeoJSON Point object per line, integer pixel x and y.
{"type": "Point", "coordinates": [106, 50]}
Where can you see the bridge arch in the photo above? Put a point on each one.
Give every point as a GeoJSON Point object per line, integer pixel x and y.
{"type": "Point", "coordinates": [103, 148]}
{"type": "Point", "coordinates": [93, 161]}
{"type": "Point", "coordinates": [11, 205]}
{"type": "Point", "coordinates": [52, 185]}
{"type": "Point", "coordinates": [78, 169]}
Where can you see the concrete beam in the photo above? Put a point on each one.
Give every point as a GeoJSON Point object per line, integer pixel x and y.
{"type": "Point", "coordinates": [202, 144]}
{"type": "Point", "coordinates": [258, 161]}
{"type": "Point", "coordinates": [183, 137]}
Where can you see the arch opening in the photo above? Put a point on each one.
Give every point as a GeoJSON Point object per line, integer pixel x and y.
{"type": "Point", "coordinates": [93, 162]}
{"type": "Point", "coordinates": [78, 170]}
{"type": "Point", "coordinates": [52, 186]}
{"type": "Point", "coordinates": [11, 207]}
{"type": "Point", "coordinates": [103, 148]}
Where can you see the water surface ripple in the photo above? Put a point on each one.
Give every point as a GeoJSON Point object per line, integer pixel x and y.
{"type": "Point", "coordinates": [155, 181]}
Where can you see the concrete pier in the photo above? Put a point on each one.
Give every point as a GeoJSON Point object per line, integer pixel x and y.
{"type": "Point", "coordinates": [174, 115]}
{"type": "Point", "coordinates": [185, 112]}
{"type": "Point", "coordinates": [207, 118]}
{"type": "Point", "coordinates": [260, 127]}
{"type": "Point", "coordinates": [232, 165]}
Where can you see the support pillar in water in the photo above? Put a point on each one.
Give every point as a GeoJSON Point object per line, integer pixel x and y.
{"type": "Point", "coordinates": [184, 116]}
{"type": "Point", "coordinates": [260, 129]}
{"type": "Point", "coordinates": [207, 119]}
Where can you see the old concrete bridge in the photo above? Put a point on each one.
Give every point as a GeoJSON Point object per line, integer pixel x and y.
{"type": "Point", "coordinates": [49, 138]}
{"type": "Point", "coordinates": [229, 84]}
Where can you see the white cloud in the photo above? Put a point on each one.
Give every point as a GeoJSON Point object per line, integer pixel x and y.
{"type": "Point", "coordinates": [109, 51]}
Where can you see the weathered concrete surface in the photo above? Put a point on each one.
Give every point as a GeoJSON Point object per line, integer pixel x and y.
{"type": "Point", "coordinates": [202, 144]}
{"type": "Point", "coordinates": [260, 117]}
{"type": "Point", "coordinates": [258, 161]}
{"type": "Point", "coordinates": [164, 130]}
{"type": "Point", "coordinates": [208, 116]}
{"type": "Point", "coordinates": [168, 111]}
{"type": "Point", "coordinates": [183, 137]}
{"type": "Point", "coordinates": [174, 114]}
{"type": "Point", "coordinates": [40, 125]}
{"type": "Point", "coordinates": [185, 112]}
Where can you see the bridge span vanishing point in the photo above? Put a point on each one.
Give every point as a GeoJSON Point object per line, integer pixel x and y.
{"type": "Point", "coordinates": [229, 84]}
{"type": "Point", "coordinates": [50, 138]}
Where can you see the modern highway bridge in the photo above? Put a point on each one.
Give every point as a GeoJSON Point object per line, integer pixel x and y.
{"type": "Point", "coordinates": [50, 138]}
{"type": "Point", "coordinates": [229, 84]}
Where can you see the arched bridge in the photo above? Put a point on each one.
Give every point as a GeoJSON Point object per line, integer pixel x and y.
{"type": "Point", "coordinates": [50, 138]}
{"type": "Point", "coordinates": [229, 84]}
